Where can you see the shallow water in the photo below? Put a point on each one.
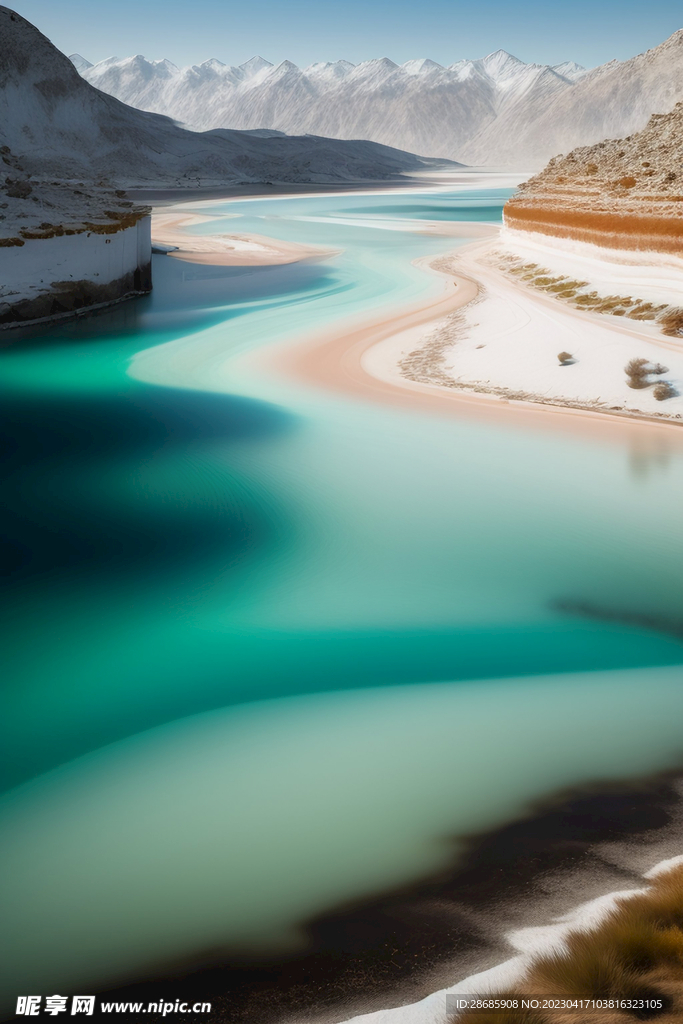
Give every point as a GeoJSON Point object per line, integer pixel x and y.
{"type": "Point", "coordinates": [253, 627]}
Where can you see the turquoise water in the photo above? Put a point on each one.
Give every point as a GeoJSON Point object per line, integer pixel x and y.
{"type": "Point", "coordinates": [270, 649]}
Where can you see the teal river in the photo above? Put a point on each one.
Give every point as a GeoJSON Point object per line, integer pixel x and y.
{"type": "Point", "coordinates": [269, 649]}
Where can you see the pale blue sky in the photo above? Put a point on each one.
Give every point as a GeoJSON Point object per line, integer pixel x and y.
{"type": "Point", "coordinates": [190, 31]}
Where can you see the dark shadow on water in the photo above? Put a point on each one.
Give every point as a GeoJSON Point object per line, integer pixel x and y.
{"type": "Point", "coordinates": [185, 297]}
{"type": "Point", "coordinates": [668, 625]}
{"type": "Point", "coordinates": [55, 449]}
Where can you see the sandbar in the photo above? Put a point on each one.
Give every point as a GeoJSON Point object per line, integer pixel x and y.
{"type": "Point", "coordinates": [228, 250]}
{"type": "Point", "coordinates": [362, 358]}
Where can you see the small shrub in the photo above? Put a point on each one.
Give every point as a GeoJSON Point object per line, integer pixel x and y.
{"type": "Point", "coordinates": [628, 181]}
{"type": "Point", "coordinates": [658, 368]}
{"type": "Point", "coordinates": [565, 357]}
{"type": "Point", "coordinates": [663, 390]}
{"type": "Point", "coordinates": [672, 322]}
{"type": "Point", "coordinates": [636, 368]}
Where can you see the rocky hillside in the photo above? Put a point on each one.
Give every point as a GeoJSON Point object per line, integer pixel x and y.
{"type": "Point", "coordinates": [621, 193]}
{"type": "Point", "coordinates": [611, 101]}
{"type": "Point", "coordinates": [59, 126]}
{"type": "Point", "coordinates": [30, 209]}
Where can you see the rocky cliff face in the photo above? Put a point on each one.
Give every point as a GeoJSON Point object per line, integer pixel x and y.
{"type": "Point", "coordinates": [621, 193]}
{"type": "Point", "coordinates": [66, 247]}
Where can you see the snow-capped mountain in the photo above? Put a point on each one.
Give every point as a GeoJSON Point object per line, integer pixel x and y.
{"type": "Point", "coordinates": [420, 105]}
{"type": "Point", "coordinates": [59, 126]}
{"type": "Point", "coordinates": [497, 110]}
{"type": "Point", "coordinates": [611, 101]}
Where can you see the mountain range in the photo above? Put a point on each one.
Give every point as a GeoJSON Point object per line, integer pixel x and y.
{"type": "Point", "coordinates": [58, 126]}
{"type": "Point", "coordinates": [497, 110]}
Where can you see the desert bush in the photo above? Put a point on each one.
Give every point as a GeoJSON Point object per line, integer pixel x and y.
{"type": "Point", "coordinates": [637, 372]}
{"type": "Point", "coordinates": [636, 368]}
{"type": "Point", "coordinates": [565, 357]}
{"type": "Point", "coordinates": [663, 390]}
{"type": "Point", "coordinates": [658, 368]}
{"type": "Point", "coordinates": [635, 952]}
{"type": "Point", "coordinates": [628, 181]}
{"type": "Point", "coordinates": [672, 323]}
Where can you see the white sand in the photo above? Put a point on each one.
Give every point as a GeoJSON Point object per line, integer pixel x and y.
{"type": "Point", "coordinates": [507, 341]}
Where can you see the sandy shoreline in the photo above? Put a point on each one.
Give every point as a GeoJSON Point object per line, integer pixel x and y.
{"type": "Point", "coordinates": [227, 250]}
{"type": "Point", "coordinates": [529, 943]}
{"type": "Point", "coordinates": [351, 361]}
{"type": "Point", "coordinates": [469, 927]}
{"type": "Point", "coordinates": [472, 177]}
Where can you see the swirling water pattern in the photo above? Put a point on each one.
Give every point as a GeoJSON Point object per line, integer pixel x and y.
{"type": "Point", "coordinates": [269, 649]}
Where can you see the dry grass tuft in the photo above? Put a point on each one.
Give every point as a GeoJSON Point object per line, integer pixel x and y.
{"type": "Point", "coordinates": [636, 368]}
{"type": "Point", "coordinates": [637, 372]}
{"type": "Point", "coordinates": [672, 323]}
{"type": "Point", "coordinates": [635, 953]}
{"type": "Point", "coordinates": [663, 390]}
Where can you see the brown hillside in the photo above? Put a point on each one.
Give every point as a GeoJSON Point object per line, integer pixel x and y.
{"type": "Point", "coordinates": [621, 193]}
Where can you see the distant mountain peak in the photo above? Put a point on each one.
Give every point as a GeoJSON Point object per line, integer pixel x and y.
{"type": "Point", "coordinates": [499, 60]}
{"type": "Point", "coordinates": [80, 63]}
{"type": "Point", "coordinates": [569, 69]}
{"type": "Point", "coordinates": [254, 65]}
{"type": "Point", "coordinates": [329, 69]}
{"type": "Point", "coordinates": [421, 66]}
